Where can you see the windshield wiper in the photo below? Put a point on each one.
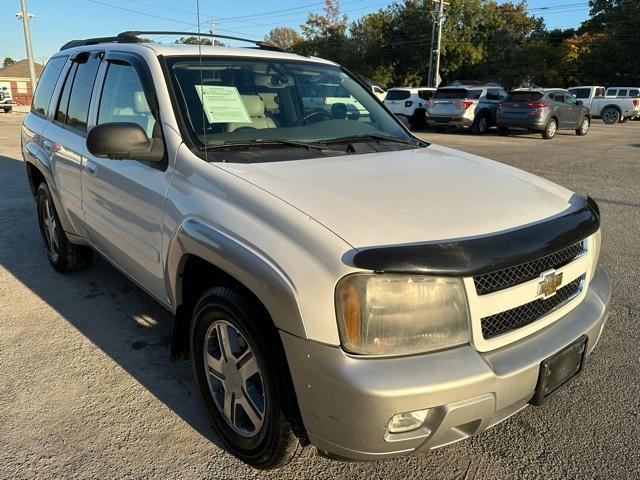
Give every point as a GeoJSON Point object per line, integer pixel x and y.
{"type": "Point", "coordinates": [379, 138]}
{"type": "Point", "coordinates": [252, 143]}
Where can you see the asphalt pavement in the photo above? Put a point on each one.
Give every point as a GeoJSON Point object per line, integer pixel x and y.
{"type": "Point", "coordinates": [87, 389]}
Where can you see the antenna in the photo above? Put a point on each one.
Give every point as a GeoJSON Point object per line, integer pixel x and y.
{"type": "Point", "coordinates": [204, 128]}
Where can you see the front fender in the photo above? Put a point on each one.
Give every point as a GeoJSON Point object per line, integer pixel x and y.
{"type": "Point", "coordinates": [253, 269]}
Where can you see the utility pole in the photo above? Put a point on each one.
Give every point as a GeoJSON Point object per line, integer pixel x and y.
{"type": "Point", "coordinates": [25, 16]}
{"type": "Point", "coordinates": [440, 22]}
{"type": "Point", "coordinates": [433, 35]}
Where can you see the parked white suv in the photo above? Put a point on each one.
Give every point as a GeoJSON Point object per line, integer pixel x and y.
{"type": "Point", "coordinates": [410, 103]}
{"type": "Point", "coordinates": [467, 106]}
{"type": "Point", "coordinates": [6, 102]}
{"type": "Point", "coordinates": [335, 281]}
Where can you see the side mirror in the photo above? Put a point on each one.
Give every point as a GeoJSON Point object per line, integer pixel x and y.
{"type": "Point", "coordinates": [578, 102]}
{"type": "Point", "coordinates": [404, 120]}
{"type": "Point", "coordinates": [122, 140]}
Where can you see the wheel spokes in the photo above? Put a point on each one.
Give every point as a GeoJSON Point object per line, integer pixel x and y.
{"type": "Point", "coordinates": [251, 410]}
{"type": "Point", "coordinates": [215, 366]}
{"type": "Point", "coordinates": [247, 366]}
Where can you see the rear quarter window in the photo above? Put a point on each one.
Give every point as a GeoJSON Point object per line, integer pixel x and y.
{"type": "Point", "coordinates": [46, 85]}
{"type": "Point", "coordinates": [398, 94]}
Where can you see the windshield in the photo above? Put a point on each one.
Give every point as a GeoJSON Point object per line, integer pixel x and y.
{"type": "Point", "coordinates": [260, 102]}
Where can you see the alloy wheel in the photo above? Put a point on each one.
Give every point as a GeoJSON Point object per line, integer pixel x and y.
{"type": "Point", "coordinates": [49, 223]}
{"type": "Point", "coordinates": [234, 378]}
{"type": "Point", "coordinates": [584, 127]}
{"type": "Point", "coordinates": [611, 116]}
{"type": "Point", "coordinates": [552, 128]}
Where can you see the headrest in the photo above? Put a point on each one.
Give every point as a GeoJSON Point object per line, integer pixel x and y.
{"type": "Point", "coordinates": [254, 105]}
{"type": "Point", "coordinates": [142, 106]}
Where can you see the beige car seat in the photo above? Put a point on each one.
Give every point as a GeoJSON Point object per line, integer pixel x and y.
{"type": "Point", "coordinates": [256, 110]}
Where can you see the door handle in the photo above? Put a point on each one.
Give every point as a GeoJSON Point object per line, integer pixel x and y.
{"type": "Point", "coordinates": [91, 169]}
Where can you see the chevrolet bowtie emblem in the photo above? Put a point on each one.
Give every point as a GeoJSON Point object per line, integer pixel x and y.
{"type": "Point", "coordinates": [549, 283]}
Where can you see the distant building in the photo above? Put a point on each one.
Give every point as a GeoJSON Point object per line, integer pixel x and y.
{"type": "Point", "coordinates": [16, 78]}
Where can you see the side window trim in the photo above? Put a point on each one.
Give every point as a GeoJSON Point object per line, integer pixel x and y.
{"type": "Point", "coordinates": [60, 90]}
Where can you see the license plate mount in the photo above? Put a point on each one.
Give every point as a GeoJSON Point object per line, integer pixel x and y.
{"type": "Point", "coordinates": [559, 369]}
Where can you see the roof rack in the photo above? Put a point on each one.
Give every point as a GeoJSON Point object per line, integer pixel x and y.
{"type": "Point", "coordinates": [134, 37]}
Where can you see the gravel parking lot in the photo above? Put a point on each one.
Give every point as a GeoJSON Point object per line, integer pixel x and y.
{"type": "Point", "coordinates": [87, 389]}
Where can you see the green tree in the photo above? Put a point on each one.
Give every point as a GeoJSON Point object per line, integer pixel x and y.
{"type": "Point", "coordinates": [8, 61]}
{"type": "Point", "coordinates": [283, 37]}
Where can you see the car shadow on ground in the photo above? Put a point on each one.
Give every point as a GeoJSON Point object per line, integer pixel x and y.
{"type": "Point", "coordinates": [108, 309]}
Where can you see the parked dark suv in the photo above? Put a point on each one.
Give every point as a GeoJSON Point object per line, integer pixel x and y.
{"type": "Point", "coordinates": [543, 110]}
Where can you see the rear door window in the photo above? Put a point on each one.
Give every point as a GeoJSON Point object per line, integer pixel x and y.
{"type": "Point", "coordinates": [85, 77]}
{"type": "Point", "coordinates": [47, 84]}
{"type": "Point", "coordinates": [73, 106]}
{"type": "Point", "coordinates": [425, 94]}
{"type": "Point", "coordinates": [474, 94]}
{"type": "Point", "coordinates": [398, 94]}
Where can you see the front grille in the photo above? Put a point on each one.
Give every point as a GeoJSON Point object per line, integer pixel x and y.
{"type": "Point", "coordinates": [512, 276]}
{"type": "Point", "coordinates": [518, 317]}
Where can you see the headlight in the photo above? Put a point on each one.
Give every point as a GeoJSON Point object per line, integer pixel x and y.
{"type": "Point", "coordinates": [393, 314]}
{"type": "Point", "coordinates": [594, 245]}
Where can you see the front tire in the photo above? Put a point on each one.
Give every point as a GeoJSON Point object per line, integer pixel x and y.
{"type": "Point", "coordinates": [63, 255]}
{"type": "Point", "coordinates": [584, 127]}
{"type": "Point", "coordinates": [243, 379]}
{"type": "Point", "coordinates": [550, 130]}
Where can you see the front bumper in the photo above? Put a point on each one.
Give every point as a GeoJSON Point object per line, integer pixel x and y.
{"type": "Point", "coordinates": [347, 401]}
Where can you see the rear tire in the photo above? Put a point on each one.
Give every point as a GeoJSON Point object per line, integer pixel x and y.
{"type": "Point", "coordinates": [63, 255]}
{"type": "Point", "coordinates": [480, 125]}
{"type": "Point", "coordinates": [610, 115]}
{"type": "Point", "coordinates": [584, 127]}
{"type": "Point", "coordinates": [7, 110]}
{"type": "Point", "coordinates": [259, 426]}
{"type": "Point", "coordinates": [550, 130]}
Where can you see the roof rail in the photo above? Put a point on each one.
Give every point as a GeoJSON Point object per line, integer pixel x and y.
{"type": "Point", "coordinates": [123, 37]}
{"type": "Point", "coordinates": [133, 36]}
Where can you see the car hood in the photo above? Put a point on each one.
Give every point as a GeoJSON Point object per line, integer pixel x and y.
{"type": "Point", "coordinates": [401, 197]}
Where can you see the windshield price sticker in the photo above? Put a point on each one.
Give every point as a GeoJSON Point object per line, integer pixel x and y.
{"type": "Point", "coordinates": [222, 104]}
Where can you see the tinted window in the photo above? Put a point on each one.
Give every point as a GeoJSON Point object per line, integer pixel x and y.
{"type": "Point", "coordinates": [63, 103]}
{"type": "Point", "coordinates": [451, 93]}
{"type": "Point", "coordinates": [85, 76]}
{"type": "Point", "coordinates": [558, 97]}
{"type": "Point", "coordinates": [581, 92]}
{"type": "Point", "coordinates": [612, 92]}
{"type": "Point", "coordinates": [569, 99]}
{"type": "Point", "coordinates": [634, 92]}
{"type": "Point", "coordinates": [494, 94]}
{"type": "Point", "coordinates": [524, 96]}
{"type": "Point", "coordinates": [397, 94]}
{"type": "Point", "coordinates": [622, 93]}
{"type": "Point", "coordinates": [47, 83]}
{"type": "Point", "coordinates": [425, 94]}
{"type": "Point", "coordinates": [123, 99]}
{"type": "Point", "coordinates": [474, 94]}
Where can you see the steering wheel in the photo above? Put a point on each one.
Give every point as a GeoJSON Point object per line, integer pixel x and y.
{"type": "Point", "coordinates": [314, 117]}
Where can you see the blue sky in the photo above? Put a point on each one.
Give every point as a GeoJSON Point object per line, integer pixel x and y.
{"type": "Point", "coordinates": [56, 22]}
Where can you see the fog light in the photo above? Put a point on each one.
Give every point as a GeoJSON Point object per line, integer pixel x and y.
{"type": "Point", "coordinates": [407, 421]}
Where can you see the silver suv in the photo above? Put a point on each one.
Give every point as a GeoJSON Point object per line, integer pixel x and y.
{"type": "Point", "coordinates": [467, 106]}
{"type": "Point", "coordinates": [334, 280]}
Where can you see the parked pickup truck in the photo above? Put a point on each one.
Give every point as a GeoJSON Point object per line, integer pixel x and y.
{"type": "Point", "coordinates": [6, 102]}
{"type": "Point", "coordinates": [610, 109]}
{"type": "Point", "coordinates": [334, 281]}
